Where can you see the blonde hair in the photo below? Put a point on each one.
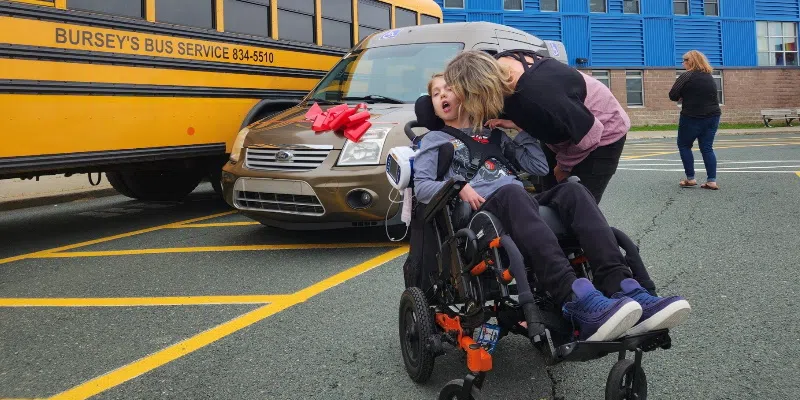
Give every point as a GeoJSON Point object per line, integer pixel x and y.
{"type": "Point", "coordinates": [430, 82]}
{"type": "Point", "coordinates": [481, 84]}
{"type": "Point", "coordinates": [697, 61]}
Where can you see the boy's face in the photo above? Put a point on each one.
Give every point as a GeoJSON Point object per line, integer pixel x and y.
{"type": "Point", "coordinates": [445, 103]}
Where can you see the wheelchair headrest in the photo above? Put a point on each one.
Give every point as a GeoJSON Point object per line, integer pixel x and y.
{"type": "Point", "coordinates": [426, 117]}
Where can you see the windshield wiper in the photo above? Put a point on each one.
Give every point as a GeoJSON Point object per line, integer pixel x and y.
{"type": "Point", "coordinates": [321, 101]}
{"type": "Point", "coordinates": [375, 98]}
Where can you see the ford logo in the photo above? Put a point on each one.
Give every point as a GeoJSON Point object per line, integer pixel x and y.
{"type": "Point", "coordinates": [284, 156]}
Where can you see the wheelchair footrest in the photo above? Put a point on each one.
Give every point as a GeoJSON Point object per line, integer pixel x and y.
{"type": "Point", "coordinates": [585, 351]}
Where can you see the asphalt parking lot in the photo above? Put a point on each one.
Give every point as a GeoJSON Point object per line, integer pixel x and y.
{"type": "Point", "coordinates": [119, 299]}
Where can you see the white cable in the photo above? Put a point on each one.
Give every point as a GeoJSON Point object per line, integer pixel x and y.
{"type": "Point", "coordinates": [386, 219]}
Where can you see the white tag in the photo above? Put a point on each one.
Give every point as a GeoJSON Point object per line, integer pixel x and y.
{"type": "Point", "coordinates": [406, 213]}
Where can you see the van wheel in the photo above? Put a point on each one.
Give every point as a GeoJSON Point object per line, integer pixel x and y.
{"type": "Point", "coordinates": [166, 185]}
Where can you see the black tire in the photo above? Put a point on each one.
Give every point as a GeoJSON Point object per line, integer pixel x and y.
{"type": "Point", "coordinates": [619, 385]}
{"type": "Point", "coordinates": [416, 326]}
{"type": "Point", "coordinates": [171, 185]}
{"type": "Point", "coordinates": [215, 178]}
{"type": "Point", "coordinates": [452, 390]}
{"type": "Point", "coordinates": [118, 183]}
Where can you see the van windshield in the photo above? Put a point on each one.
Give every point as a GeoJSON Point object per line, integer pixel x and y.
{"type": "Point", "coordinates": [393, 74]}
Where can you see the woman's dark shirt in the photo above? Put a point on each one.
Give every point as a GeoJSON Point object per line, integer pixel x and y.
{"type": "Point", "coordinates": [698, 91]}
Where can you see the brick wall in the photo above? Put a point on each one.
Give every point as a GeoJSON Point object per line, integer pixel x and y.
{"type": "Point", "coordinates": [746, 92]}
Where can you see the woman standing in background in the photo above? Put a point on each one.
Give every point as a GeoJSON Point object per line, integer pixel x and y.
{"type": "Point", "coordinates": [700, 114]}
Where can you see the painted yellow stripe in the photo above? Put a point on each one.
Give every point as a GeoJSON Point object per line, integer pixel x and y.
{"type": "Point", "coordinates": [715, 148]}
{"type": "Point", "coordinates": [30, 32]}
{"type": "Point", "coordinates": [46, 3]}
{"type": "Point", "coordinates": [97, 73]}
{"type": "Point", "coordinates": [215, 225]}
{"type": "Point", "coordinates": [139, 301]}
{"type": "Point", "coordinates": [108, 238]}
{"type": "Point", "coordinates": [264, 247]}
{"type": "Point", "coordinates": [148, 363]}
{"type": "Point", "coordinates": [798, 173]}
{"type": "Point", "coordinates": [99, 123]}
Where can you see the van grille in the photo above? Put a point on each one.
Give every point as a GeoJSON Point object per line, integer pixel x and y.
{"type": "Point", "coordinates": [291, 158]}
{"type": "Point", "coordinates": [279, 202]}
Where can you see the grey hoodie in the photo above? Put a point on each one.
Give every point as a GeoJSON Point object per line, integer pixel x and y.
{"type": "Point", "coordinates": [490, 177]}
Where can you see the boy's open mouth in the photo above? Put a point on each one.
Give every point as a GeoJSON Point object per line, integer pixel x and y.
{"type": "Point", "coordinates": [445, 106]}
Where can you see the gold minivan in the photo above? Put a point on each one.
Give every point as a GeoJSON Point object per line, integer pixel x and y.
{"type": "Point", "coordinates": [284, 174]}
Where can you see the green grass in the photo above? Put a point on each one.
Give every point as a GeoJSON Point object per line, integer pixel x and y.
{"type": "Point", "coordinates": [724, 125]}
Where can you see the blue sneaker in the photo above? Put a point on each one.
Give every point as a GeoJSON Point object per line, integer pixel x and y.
{"type": "Point", "coordinates": [657, 312]}
{"type": "Point", "coordinates": [597, 317]}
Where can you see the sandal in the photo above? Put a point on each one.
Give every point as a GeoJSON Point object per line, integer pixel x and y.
{"type": "Point", "coordinates": [709, 187]}
{"type": "Point", "coordinates": [687, 183]}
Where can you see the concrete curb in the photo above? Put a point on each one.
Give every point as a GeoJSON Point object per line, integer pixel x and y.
{"type": "Point", "coordinates": [88, 194]}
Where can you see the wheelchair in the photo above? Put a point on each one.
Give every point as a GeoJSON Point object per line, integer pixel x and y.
{"type": "Point", "coordinates": [458, 278]}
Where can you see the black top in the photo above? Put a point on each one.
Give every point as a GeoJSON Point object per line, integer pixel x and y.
{"type": "Point", "coordinates": [548, 102]}
{"type": "Point", "coordinates": [698, 92]}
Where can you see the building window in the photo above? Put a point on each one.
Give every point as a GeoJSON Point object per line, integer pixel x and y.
{"type": "Point", "coordinates": [125, 8]}
{"type": "Point", "coordinates": [597, 6]}
{"type": "Point", "coordinates": [603, 76]}
{"type": "Point", "coordinates": [403, 17]}
{"type": "Point", "coordinates": [428, 20]}
{"type": "Point", "coordinates": [680, 7]}
{"type": "Point", "coordinates": [630, 6]}
{"type": "Point", "coordinates": [717, 74]}
{"type": "Point", "coordinates": [373, 17]}
{"type": "Point", "coordinates": [634, 88]}
{"type": "Point", "coordinates": [186, 12]}
{"type": "Point", "coordinates": [453, 3]}
{"type": "Point", "coordinates": [512, 5]}
{"type": "Point", "coordinates": [777, 43]}
{"type": "Point", "coordinates": [296, 20]}
{"type": "Point", "coordinates": [337, 23]}
{"type": "Point", "coordinates": [548, 5]}
{"type": "Point", "coordinates": [250, 17]}
{"type": "Point", "coordinates": [711, 7]}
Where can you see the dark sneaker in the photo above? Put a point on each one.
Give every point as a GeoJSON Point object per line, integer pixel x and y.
{"type": "Point", "coordinates": [657, 312]}
{"type": "Point", "coordinates": [598, 318]}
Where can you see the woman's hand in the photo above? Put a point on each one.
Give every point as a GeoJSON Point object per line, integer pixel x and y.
{"type": "Point", "coordinates": [560, 175]}
{"type": "Point", "coordinates": [472, 197]}
{"type": "Point", "coordinates": [502, 123]}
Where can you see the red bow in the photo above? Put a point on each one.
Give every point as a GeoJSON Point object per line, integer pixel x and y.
{"type": "Point", "coordinates": [341, 117]}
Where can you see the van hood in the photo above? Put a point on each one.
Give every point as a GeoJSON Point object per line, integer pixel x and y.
{"type": "Point", "coordinates": [291, 128]}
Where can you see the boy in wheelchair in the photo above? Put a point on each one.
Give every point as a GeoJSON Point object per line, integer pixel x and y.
{"type": "Point", "coordinates": [614, 304]}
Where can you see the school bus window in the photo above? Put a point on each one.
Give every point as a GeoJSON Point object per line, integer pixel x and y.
{"type": "Point", "coordinates": [428, 20]}
{"type": "Point", "coordinates": [125, 8]}
{"type": "Point", "coordinates": [250, 17]}
{"type": "Point", "coordinates": [198, 13]}
{"type": "Point", "coordinates": [296, 20]}
{"type": "Point", "coordinates": [337, 23]}
{"type": "Point", "coordinates": [373, 16]}
{"type": "Point", "coordinates": [403, 17]}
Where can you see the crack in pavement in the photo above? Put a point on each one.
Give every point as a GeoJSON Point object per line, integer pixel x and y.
{"type": "Point", "coordinates": [652, 226]}
{"type": "Point", "coordinates": [553, 384]}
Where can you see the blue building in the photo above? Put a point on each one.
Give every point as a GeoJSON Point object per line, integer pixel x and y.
{"type": "Point", "coordinates": [638, 39]}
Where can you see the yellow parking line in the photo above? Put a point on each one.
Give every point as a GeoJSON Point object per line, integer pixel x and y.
{"type": "Point", "coordinates": [256, 247]}
{"type": "Point", "coordinates": [155, 360]}
{"type": "Point", "coordinates": [715, 148]}
{"type": "Point", "coordinates": [40, 254]}
{"type": "Point", "coordinates": [798, 173]}
{"type": "Point", "coordinates": [215, 225]}
{"type": "Point", "coordinates": [139, 301]}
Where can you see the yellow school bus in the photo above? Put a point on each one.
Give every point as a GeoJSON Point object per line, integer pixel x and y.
{"type": "Point", "coordinates": [152, 92]}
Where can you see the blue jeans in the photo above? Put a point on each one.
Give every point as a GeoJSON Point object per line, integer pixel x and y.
{"type": "Point", "coordinates": [703, 130]}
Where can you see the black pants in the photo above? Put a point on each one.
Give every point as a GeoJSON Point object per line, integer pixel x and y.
{"type": "Point", "coordinates": [595, 170]}
{"type": "Point", "coordinates": [518, 211]}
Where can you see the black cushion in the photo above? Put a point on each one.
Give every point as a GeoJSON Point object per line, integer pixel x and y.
{"type": "Point", "coordinates": [426, 117]}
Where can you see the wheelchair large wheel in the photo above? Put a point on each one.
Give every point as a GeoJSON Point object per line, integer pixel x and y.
{"type": "Point", "coordinates": [416, 330]}
{"type": "Point", "coordinates": [622, 385]}
{"type": "Point", "coordinates": [452, 391]}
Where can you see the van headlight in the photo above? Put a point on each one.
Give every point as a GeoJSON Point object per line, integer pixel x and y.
{"type": "Point", "coordinates": [236, 150]}
{"type": "Point", "coordinates": [365, 152]}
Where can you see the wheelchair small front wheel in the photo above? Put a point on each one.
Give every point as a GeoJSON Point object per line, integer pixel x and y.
{"type": "Point", "coordinates": [416, 330]}
{"type": "Point", "coordinates": [453, 391]}
{"type": "Point", "coordinates": [623, 384]}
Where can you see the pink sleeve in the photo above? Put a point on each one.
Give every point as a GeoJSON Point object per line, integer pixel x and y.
{"type": "Point", "coordinates": [569, 155]}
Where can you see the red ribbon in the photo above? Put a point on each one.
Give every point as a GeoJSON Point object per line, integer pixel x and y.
{"type": "Point", "coordinates": [340, 118]}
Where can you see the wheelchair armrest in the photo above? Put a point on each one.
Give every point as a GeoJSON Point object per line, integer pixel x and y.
{"type": "Point", "coordinates": [449, 190]}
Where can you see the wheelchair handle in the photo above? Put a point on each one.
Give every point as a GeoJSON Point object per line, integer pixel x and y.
{"type": "Point", "coordinates": [408, 129]}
